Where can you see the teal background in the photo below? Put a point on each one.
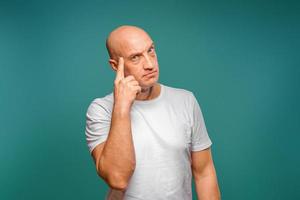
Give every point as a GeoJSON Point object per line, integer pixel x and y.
{"type": "Point", "coordinates": [240, 58]}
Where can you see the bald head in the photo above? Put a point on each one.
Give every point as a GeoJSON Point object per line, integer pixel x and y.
{"type": "Point", "coordinates": [122, 37]}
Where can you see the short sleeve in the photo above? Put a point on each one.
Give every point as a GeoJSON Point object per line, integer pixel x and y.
{"type": "Point", "coordinates": [200, 138]}
{"type": "Point", "coordinates": [98, 118]}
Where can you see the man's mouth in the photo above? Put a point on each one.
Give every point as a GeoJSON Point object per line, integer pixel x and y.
{"type": "Point", "coordinates": [150, 74]}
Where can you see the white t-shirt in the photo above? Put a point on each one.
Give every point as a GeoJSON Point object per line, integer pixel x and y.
{"type": "Point", "coordinates": [164, 130]}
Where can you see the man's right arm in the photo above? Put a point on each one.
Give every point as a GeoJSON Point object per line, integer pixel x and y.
{"type": "Point", "coordinates": [115, 158]}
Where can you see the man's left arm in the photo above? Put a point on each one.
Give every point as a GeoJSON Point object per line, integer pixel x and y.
{"type": "Point", "coordinates": [205, 175]}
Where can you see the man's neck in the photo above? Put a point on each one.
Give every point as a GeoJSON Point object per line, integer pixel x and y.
{"type": "Point", "coordinates": [149, 93]}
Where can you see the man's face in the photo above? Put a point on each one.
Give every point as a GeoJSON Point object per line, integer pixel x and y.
{"type": "Point", "coordinates": [140, 59]}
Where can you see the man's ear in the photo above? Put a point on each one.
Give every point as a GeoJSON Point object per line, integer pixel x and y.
{"type": "Point", "coordinates": [113, 64]}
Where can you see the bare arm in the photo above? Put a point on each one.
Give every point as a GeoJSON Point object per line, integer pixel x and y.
{"type": "Point", "coordinates": [205, 175]}
{"type": "Point", "coordinates": [115, 158]}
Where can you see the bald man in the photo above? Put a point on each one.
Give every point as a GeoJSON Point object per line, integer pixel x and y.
{"type": "Point", "coordinates": [147, 139]}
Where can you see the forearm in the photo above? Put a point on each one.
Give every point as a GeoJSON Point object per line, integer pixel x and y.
{"type": "Point", "coordinates": [207, 187]}
{"type": "Point", "coordinates": [117, 162]}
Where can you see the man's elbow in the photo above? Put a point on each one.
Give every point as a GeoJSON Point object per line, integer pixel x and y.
{"type": "Point", "coordinates": [117, 184]}
{"type": "Point", "coordinates": [118, 181]}
{"type": "Point", "coordinates": [115, 179]}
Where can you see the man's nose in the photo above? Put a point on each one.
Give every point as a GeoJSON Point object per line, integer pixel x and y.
{"type": "Point", "coordinates": [148, 63]}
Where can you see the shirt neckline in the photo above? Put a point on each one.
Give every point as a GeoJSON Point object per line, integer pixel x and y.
{"type": "Point", "coordinates": [143, 102]}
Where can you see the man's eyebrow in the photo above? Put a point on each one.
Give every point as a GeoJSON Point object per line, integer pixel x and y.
{"type": "Point", "coordinates": [139, 53]}
{"type": "Point", "coordinates": [152, 45]}
{"type": "Point", "coordinates": [134, 54]}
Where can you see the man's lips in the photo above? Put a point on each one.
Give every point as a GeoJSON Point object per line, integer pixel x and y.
{"type": "Point", "coordinates": [151, 73]}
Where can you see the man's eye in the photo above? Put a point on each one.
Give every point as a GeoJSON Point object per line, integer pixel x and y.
{"type": "Point", "coordinates": [151, 50]}
{"type": "Point", "coordinates": [134, 58]}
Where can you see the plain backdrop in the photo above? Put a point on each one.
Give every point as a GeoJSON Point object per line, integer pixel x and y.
{"type": "Point", "coordinates": [240, 59]}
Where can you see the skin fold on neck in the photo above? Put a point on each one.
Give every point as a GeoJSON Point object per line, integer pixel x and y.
{"type": "Point", "coordinates": [149, 93]}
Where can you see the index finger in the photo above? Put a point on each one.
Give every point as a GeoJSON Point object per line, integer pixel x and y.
{"type": "Point", "coordinates": [120, 70]}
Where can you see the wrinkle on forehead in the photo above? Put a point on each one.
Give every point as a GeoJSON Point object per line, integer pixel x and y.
{"type": "Point", "coordinates": [125, 37]}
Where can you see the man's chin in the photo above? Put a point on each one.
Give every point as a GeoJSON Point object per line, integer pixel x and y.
{"type": "Point", "coordinates": [147, 86]}
{"type": "Point", "coordinates": [149, 83]}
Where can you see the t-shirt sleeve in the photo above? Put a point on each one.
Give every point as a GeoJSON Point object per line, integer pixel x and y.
{"type": "Point", "coordinates": [200, 138]}
{"type": "Point", "coordinates": [98, 119]}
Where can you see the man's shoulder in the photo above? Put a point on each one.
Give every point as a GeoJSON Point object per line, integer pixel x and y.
{"type": "Point", "coordinates": [107, 99]}
{"type": "Point", "coordinates": [177, 92]}
{"type": "Point", "coordinates": [179, 99]}
{"type": "Point", "coordinates": [101, 104]}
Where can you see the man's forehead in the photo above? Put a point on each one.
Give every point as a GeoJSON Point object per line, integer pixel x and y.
{"type": "Point", "coordinates": [129, 39]}
{"type": "Point", "coordinates": [137, 45]}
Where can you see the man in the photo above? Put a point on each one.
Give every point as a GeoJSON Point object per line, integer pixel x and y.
{"type": "Point", "coordinates": [148, 139]}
